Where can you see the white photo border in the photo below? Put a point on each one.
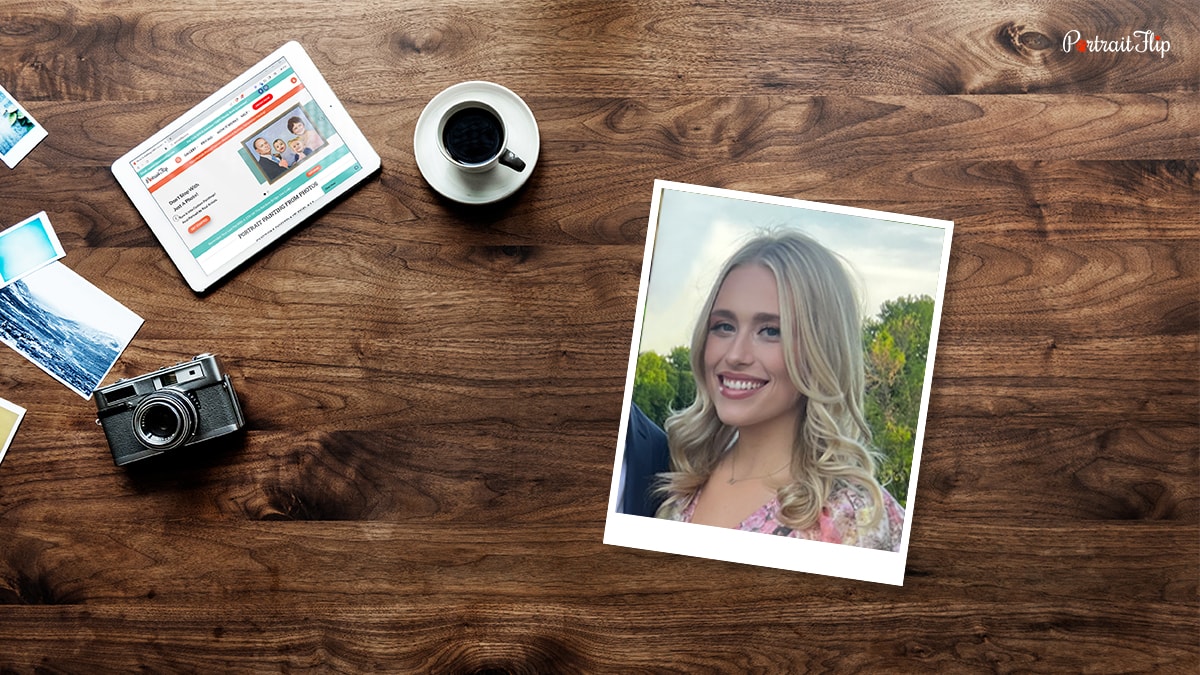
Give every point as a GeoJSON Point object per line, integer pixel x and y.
{"type": "Point", "coordinates": [6, 440]}
{"type": "Point", "coordinates": [28, 141]}
{"type": "Point", "coordinates": [754, 548]}
{"type": "Point", "coordinates": [59, 289]}
{"type": "Point", "coordinates": [41, 222]}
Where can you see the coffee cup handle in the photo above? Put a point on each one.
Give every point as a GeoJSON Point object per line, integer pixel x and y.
{"type": "Point", "coordinates": [510, 159]}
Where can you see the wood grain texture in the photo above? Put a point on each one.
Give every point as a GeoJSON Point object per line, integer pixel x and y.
{"type": "Point", "coordinates": [86, 50]}
{"type": "Point", "coordinates": [433, 391]}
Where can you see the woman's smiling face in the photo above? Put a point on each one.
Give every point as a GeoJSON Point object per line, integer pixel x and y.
{"type": "Point", "coordinates": [745, 372]}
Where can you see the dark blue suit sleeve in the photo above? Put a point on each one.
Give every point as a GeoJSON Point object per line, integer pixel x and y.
{"type": "Point", "coordinates": [646, 454]}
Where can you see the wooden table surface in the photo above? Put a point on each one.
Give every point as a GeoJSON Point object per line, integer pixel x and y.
{"type": "Point", "coordinates": [433, 391]}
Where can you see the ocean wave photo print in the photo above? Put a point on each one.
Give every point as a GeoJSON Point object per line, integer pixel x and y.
{"type": "Point", "coordinates": [66, 326]}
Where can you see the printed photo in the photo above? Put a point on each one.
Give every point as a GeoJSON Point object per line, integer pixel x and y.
{"type": "Point", "coordinates": [284, 144]}
{"type": "Point", "coordinates": [19, 132]}
{"type": "Point", "coordinates": [778, 380]}
{"type": "Point", "coordinates": [66, 326]}
{"type": "Point", "coordinates": [10, 418]}
{"type": "Point", "coordinates": [26, 247]}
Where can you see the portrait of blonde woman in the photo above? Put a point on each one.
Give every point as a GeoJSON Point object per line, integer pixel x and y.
{"type": "Point", "coordinates": [778, 382]}
{"type": "Point", "coordinates": [776, 440]}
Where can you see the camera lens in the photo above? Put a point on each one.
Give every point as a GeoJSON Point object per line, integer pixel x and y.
{"type": "Point", "coordinates": [164, 420]}
{"type": "Point", "coordinates": [161, 422]}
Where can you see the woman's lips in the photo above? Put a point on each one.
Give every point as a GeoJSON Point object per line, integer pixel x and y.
{"type": "Point", "coordinates": [739, 386]}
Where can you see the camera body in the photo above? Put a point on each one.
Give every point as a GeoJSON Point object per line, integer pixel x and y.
{"type": "Point", "coordinates": [173, 407]}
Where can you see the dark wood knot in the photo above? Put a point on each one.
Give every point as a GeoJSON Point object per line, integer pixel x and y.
{"type": "Point", "coordinates": [1035, 40]}
{"type": "Point", "coordinates": [1022, 41]}
{"type": "Point", "coordinates": [24, 588]}
{"type": "Point", "coordinates": [498, 257]}
{"type": "Point", "coordinates": [315, 504]}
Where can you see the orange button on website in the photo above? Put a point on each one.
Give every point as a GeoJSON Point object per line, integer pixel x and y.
{"type": "Point", "coordinates": [313, 170]}
{"type": "Point", "coordinates": [199, 224]}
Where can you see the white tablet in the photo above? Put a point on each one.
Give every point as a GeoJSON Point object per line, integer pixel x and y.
{"type": "Point", "coordinates": [245, 166]}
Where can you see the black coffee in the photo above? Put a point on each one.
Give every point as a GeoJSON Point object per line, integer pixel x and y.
{"type": "Point", "coordinates": [472, 136]}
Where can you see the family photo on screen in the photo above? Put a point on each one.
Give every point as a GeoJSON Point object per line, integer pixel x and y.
{"type": "Point", "coordinates": [284, 144]}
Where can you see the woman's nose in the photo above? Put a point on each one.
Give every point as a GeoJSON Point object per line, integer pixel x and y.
{"type": "Point", "coordinates": [740, 352]}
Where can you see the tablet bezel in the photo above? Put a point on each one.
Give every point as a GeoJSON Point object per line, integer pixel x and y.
{"type": "Point", "coordinates": [161, 226]}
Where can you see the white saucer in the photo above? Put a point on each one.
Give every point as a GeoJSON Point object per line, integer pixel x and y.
{"type": "Point", "coordinates": [489, 186]}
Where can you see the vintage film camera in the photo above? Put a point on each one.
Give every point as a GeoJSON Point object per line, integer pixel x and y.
{"type": "Point", "coordinates": [176, 406]}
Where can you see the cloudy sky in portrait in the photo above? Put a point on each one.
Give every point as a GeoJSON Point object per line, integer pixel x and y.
{"type": "Point", "coordinates": [696, 232]}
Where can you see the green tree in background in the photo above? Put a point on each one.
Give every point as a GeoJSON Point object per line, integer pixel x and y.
{"type": "Point", "coordinates": [681, 378]}
{"type": "Point", "coordinates": [895, 349]}
{"type": "Point", "coordinates": [652, 388]}
{"type": "Point", "coordinates": [661, 385]}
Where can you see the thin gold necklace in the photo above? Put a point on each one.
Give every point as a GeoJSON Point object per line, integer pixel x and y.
{"type": "Point", "coordinates": [733, 470]}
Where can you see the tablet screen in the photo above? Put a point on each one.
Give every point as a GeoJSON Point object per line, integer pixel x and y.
{"type": "Point", "coordinates": [245, 166]}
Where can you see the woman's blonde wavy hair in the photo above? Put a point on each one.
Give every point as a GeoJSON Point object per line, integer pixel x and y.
{"type": "Point", "coordinates": [822, 344]}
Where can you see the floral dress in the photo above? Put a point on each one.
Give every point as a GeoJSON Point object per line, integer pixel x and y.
{"type": "Point", "coordinates": [839, 522]}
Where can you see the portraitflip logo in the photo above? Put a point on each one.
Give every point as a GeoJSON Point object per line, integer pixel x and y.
{"type": "Point", "coordinates": [1140, 41]}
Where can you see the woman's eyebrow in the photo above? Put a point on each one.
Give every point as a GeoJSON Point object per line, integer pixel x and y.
{"type": "Point", "coordinates": [761, 317]}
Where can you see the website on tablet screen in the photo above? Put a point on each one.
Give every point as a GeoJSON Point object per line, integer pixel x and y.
{"type": "Point", "coordinates": [246, 166]}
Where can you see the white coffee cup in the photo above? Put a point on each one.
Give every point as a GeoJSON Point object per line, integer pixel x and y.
{"type": "Point", "coordinates": [473, 137]}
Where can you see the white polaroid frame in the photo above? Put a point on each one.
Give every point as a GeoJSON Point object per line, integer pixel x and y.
{"type": "Point", "coordinates": [751, 547]}
{"type": "Point", "coordinates": [276, 215]}
{"type": "Point", "coordinates": [27, 247]}
{"type": "Point", "coordinates": [28, 140]}
{"type": "Point", "coordinates": [6, 439]}
{"type": "Point", "coordinates": [92, 329]}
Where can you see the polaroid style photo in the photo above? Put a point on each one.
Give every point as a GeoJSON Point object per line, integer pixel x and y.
{"type": "Point", "coordinates": [27, 247]}
{"type": "Point", "coordinates": [66, 326]}
{"type": "Point", "coordinates": [788, 346]}
{"type": "Point", "coordinates": [10, 418]}
{"type": "Point", "coordinates": [19, 132]}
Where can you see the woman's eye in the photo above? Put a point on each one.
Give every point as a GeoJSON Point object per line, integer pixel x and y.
{"type": "Point", "coordinates": [770, 332]}
{"type": "Point", "coordinates": [721, 327]}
